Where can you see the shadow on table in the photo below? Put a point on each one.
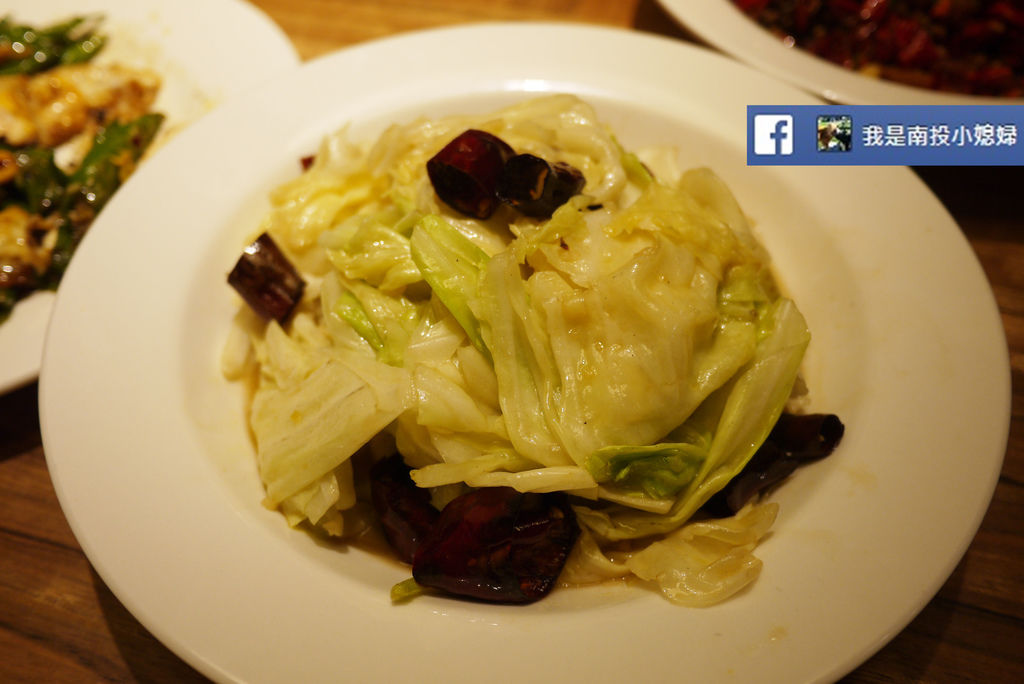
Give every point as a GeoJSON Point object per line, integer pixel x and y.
{"type": "Point", "coordinates": [19, 421]}
{"type": "Point", "coordinates": [988, 197]}
{"type": "Point", "coordinates": [651, 17]}
{"type": "Point", "coordinates": [148, 660]}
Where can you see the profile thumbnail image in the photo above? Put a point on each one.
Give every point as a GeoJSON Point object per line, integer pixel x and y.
{"type": "Point", "coordinates": [835, 133]}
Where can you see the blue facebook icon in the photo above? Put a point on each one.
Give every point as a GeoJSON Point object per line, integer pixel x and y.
{"type": "Point", "coordinates": [773, 134]}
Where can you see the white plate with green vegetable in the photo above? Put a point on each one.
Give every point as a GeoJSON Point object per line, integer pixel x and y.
{"type": "Point", "coordinates": [150, 455]}
{"type": "Point", "coordinates": [199, 64]}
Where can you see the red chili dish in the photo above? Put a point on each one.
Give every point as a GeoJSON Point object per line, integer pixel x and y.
{"type": "Point", "coordinates": [973, 47]}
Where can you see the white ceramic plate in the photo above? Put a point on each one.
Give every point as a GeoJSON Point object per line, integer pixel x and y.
{"type": "Point", "coordinates": [205, 50]}
{"type": "Point", "coordinates": [723, 25]}
{"type": "Point", "coordinates": [149, 454]}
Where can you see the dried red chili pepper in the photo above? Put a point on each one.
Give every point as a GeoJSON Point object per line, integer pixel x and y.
{"type": "Point", "coordinates": [266, 280]}
{"type": "Point", "coordinates": [794, 441]}
{"type": "Point", "coordinates": [465, 172]}
{"type": "Point", "coordinates": [499, 545]}
{"type": "Point", "coordinates": [535, 187]}
{"type": "Point", "coordinates": [404, 510]}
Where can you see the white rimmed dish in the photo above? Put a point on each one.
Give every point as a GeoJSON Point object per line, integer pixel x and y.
{"type": "Point", "coordinates": [721, 24]}
{"type": "Point", "coordinates": [150, 457]}
{"type": "Point", "coordinates": [200, 63]}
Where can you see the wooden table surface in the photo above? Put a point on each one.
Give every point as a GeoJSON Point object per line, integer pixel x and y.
{"type": "Point", "coordinates": [60, 623]}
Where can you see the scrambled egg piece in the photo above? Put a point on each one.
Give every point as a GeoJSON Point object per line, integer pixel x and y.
{"type": "Point", "coordinates": [68, 104]}
{"type": "Point", "coordinates": [26, 242]}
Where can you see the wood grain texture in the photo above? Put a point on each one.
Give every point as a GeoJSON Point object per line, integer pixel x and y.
{"type": "Point", "coordinates": [60, 623]}
{"type": "Point", "coordinates": [320, 26]}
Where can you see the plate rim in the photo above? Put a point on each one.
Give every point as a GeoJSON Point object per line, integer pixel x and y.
{"type": "Point", "coordinates": [360, 52]}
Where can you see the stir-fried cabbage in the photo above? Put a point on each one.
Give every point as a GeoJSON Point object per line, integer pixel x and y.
{"type": "Point", "coordinates": [632, 350]}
